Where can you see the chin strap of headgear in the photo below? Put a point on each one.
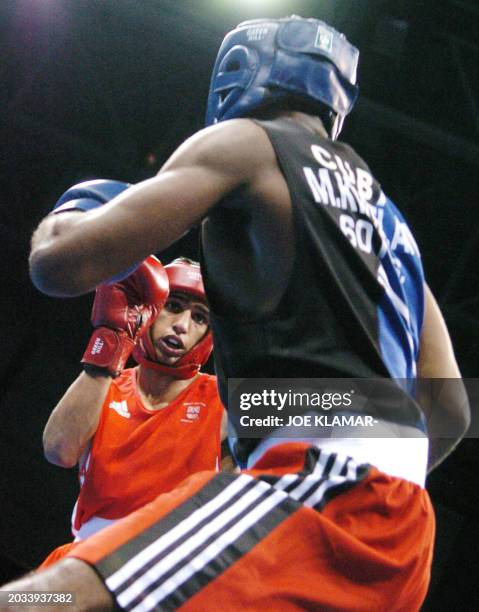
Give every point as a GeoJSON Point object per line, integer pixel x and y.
{"type": "Point", "coordinates": [184, 276]}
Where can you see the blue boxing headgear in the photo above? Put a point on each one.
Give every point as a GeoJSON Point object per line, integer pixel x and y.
{"type": "Point", "coordinates": [270, 60]}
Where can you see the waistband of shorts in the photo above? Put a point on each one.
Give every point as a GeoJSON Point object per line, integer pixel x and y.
{"type": "Point", "coordinates": [403, 457]}
{"type": "Point", "coordinates": [93, 525]}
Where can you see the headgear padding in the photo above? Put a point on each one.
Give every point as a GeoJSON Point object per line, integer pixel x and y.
{"type": "Point", "coordinates": [267, 60]}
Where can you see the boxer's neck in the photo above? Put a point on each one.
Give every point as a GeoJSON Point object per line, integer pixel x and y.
{"type": "Point", "coordinates": [158, 390]}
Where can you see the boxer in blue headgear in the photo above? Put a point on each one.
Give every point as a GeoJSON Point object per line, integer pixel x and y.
{"type": "Point", "coordinates": [310, 271]}
{"type": "Point", "coordinates": [268, 61]}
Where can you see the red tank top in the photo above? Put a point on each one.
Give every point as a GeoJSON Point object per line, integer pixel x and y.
{"type": "Point", "coordinates": [136, 454]}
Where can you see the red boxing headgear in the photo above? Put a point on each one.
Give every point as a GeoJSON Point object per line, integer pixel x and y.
{"type": "Point", "coordinates": [184, 275]}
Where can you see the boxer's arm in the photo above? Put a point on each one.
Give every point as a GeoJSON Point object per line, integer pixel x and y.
{"type": "Point", "coordinates": [122, 312]}
{"type": "Point", "coordinates": [73, 252]}
{"type": "Point", "coordinates": [74, 420]}
{"type": "Point", "coordinates": [67, 576]}
{"type": "Point", "coordinates": [447, 412]}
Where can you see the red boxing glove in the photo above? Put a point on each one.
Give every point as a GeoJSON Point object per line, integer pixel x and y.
{"type": "Point", "coordinates": [122, 312]}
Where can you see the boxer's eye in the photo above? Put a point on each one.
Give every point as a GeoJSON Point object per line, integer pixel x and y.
{"type": "Point", "coordinates": [201, 318]}
{"type": "Point", "coordinates": [174, 306]}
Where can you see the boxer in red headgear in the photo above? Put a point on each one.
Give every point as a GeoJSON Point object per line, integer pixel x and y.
{"type": "Point", "coordinates": [112, 421]}
{"type": "Point", "coordinates": [185, 278]}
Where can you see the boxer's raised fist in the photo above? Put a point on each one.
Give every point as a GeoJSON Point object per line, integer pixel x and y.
{"type": "Point", "coordinates": [88, 195]}
{"type": "Point", "coordinates": [122, 311]}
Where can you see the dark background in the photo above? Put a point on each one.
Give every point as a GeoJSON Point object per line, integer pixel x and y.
{"type": "Point", "coordinates": [109, 88]}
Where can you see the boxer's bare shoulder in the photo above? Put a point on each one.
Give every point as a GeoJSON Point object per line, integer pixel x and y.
{"type": "Point", "coordinates": [238, 148]}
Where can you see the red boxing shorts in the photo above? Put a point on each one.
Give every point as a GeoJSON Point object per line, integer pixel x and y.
{"type": "Point", "coordinates": [303, 530]}
{"type": "Point", "coordinates": [57, 554]}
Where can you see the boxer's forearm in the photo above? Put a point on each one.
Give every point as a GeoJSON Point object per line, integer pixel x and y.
{"type": "Point", "coordinates": [67, 576]}
{"type": "Point", "coordinates": [71, 256]}
{"type": "Point", "coordinates": [50, 230]}
{"type": "Point", "coordinates": [52, 256]}
{"type": "Point", "coordinates": [74, 420]}
{"type": "Point", "coordinates": [73, 252]}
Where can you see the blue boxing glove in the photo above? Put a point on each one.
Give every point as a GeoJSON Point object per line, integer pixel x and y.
{"type": "Point", "coordinates": [89, 195]}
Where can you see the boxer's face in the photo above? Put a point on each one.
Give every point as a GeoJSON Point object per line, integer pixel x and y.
{"type": "Point", "coordinates": [181, 324]}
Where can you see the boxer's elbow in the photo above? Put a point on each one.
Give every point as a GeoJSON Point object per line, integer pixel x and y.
{"type": "Point", "coordinates": [463, 416]}
{"type": "Point", "coordinates": [55, 274]}
{"type": "Point", "coordinates": [456, 411]}
{"type": "Point", "coordinates": [449, 415]}
{"type": "Point", "coordinates": [58, 450]}
{"type": "Point", "coordinates": [57, 263]}
{"type": "Point", "coordinates": [56, 457]}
